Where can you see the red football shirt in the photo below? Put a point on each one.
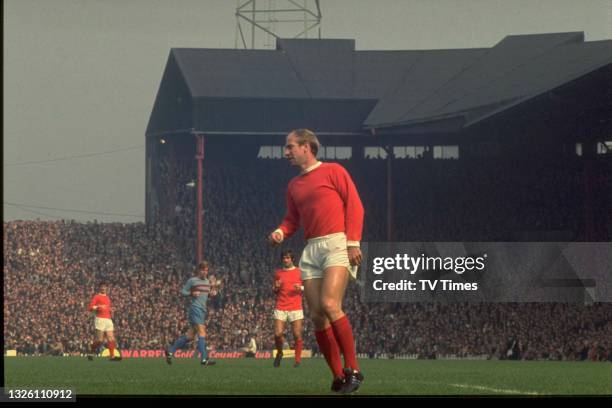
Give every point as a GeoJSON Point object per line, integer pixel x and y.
{"type": "Point", "coordinates": [288, 298]}
{"type": "Point", "coordinates": [325, 201]}
{"type": "Point", "coordinates": [99, 300]}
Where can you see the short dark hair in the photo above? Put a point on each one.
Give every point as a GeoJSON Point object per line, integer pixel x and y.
{"type": "Point", "coordinates": [203, 265]}
{"type": "Point", "coordinates": [288, 252]}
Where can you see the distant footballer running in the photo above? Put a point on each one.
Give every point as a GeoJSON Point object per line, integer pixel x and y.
{"type": "Point", "coordinates": [198, 288]}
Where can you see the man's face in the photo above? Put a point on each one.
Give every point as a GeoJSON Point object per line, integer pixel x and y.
{"type": "Point", "coordinates": [103, 289]}
{"type": "Point", "coordinates": [296, 154]}
{"type": "Point", "coordinates": [204, 272]}
{"type": "Point", "coordinates": [287, 261]}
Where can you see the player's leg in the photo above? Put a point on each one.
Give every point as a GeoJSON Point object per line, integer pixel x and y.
{"type": "Point", "coordinates": [323, 331]}
{"type": "Point", "coordinates": [180, 343]}
{"type": "Point", "coordinates": [98, 341]}
{"type": "Point", "coordinates": [201, 331]}
{"type": "Point", "coordinates": [197, 319]}
{"type": "Point", "coordinates": [110, 338]}
{"type": "Point", "coordinates": [312, 267]}
{"type": "Point", "coordinates": [279, 330]}
{"type": "Point", "coordinates": [333, 287]}
{"type": "Point", "coordinates": [297, 327]}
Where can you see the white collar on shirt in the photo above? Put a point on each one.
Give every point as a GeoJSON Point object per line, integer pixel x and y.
{"type": "Point", "coordinates": [311, 168]}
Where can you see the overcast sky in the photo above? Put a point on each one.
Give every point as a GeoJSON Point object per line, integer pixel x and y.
{"type": "Point", "coordinates": [80, 77]}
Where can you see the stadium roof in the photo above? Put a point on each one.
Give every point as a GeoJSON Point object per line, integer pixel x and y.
{"type": "Point", "coordinates": [329, 86]}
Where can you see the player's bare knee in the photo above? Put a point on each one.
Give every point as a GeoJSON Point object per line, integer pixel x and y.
{"type": "Point", "coordinates": [330, 307]}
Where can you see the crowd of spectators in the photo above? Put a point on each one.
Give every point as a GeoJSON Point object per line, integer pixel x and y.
{"type": "Point", "coordinates": [51, 269]}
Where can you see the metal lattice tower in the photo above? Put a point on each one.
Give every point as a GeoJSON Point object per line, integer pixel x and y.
{"type": "Point", "coordinates": [273, 19]}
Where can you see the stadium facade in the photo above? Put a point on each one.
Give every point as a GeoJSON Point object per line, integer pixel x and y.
{"type": "Point", "coordinates": [544, 98]}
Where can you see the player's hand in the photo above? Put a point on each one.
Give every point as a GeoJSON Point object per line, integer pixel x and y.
{"type": "Point", "coordinates": [275, 238]}
{"type": "Point", "coordinates": [354, 254]}
{"type": "Point", "coordinates": [297, 287]}
{"type": "Point", "coordinates": [195, 293]}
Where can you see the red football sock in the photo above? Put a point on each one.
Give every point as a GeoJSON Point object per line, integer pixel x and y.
{"type": "Point", "coordinates": [298, 350]}
{"type": "Point", "coordinates": [278, 341]}
{"type": "Point", "coordinates": [329, 348]}
{"type": "Point", "coordinates": [111, 349]}
{"type": "Point", "coordinates": [94, 346]}
{"type": "Point", "coordinates": [344, 336]}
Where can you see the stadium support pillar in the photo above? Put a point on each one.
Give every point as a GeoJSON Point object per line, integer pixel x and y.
{"type": "Point", "coordinates": [589, 227]}
{"type": "Point", "coordinates": [389, 193]}
{"type": "Point", "coordinates": [199, 206]}
{"type": "Point", "coordinates": [590, 154]}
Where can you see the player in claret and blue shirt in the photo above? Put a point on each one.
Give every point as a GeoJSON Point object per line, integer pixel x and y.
{"type": "Point", "coordinates": [199, 288]}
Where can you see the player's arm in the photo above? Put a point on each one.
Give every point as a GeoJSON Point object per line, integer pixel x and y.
{"type": "Point", "coordinates": [93, 304]}
{"type": "Point", "coordinates": [353, 209]}
{"type": "Point", "coordinates": [186, 290]}
{"type": "Point", "coordinates": [277, 283]}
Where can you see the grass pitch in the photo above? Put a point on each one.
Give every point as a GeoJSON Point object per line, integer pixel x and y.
{"type": "Point", "coordinates": [257, 377]}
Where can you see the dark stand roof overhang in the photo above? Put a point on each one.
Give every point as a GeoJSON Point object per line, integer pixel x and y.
{"type": "Point", "coordinates": [329, 86]}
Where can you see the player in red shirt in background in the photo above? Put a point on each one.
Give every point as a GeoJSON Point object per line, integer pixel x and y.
{"type": "Point", "coordinates": [324, 200]}
{"type": "Point", "coordinates": [288, 288]}
{"type": "Point", "coordinates": [101, 305]}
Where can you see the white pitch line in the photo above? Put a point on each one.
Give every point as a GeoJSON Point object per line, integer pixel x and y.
{"type": "Point", "coordinates": [502, 390]}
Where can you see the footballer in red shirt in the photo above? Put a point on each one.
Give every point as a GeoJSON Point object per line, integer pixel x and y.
{"type": "Point", "coordinates": [324, 200]}
{"type": "Point", "coordinates": [288, 288]}
{"type": "Point", "coordinates": [101, 305]}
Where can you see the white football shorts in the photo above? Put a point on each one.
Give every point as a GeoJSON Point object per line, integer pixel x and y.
{"type": "Point", "coordinates": [103, 324]}
{"type": "Point", "coordinates": [288, 315]}
{"type": "Point", "coordinates": [324, 252]}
